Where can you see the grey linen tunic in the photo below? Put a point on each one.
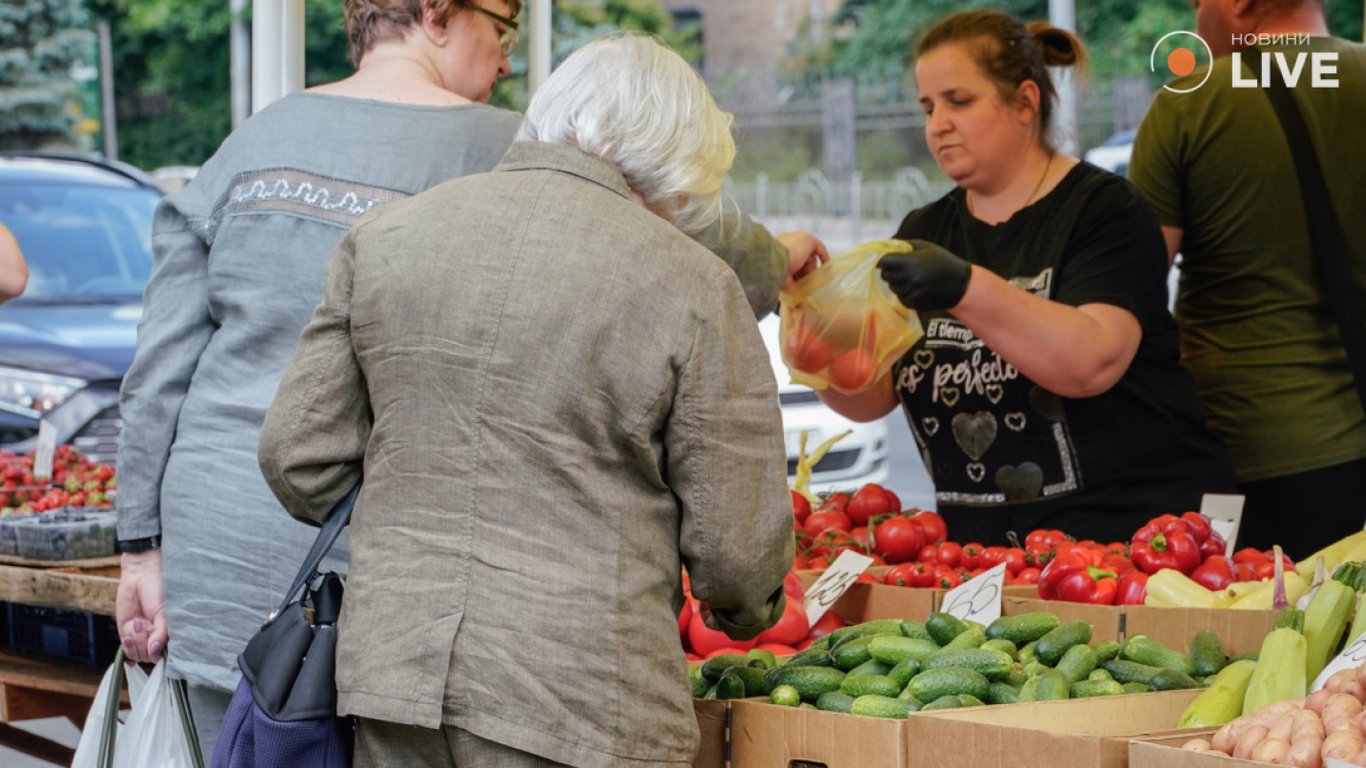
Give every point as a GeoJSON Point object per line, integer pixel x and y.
{"type": "Point", "coordinates": [557, 399]}
{"type": "Point", "coordinates": [240, 257]}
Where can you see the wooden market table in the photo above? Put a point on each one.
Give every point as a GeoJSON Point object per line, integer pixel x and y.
{"type": "Point", "coordinates": [33, 687]}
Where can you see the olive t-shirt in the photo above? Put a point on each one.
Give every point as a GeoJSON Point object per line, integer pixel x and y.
{"type": "Point", "coordinates": [1004, 453]}
{"type": "Point", "coordinates": [1255, 330]}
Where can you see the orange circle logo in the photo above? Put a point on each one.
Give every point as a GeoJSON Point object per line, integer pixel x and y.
{"type": "Point", "coordinates": [1181, 61]}
{"type": "Point", "coordinates": [1183, 53]}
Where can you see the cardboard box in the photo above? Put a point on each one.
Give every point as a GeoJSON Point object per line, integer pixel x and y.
{"type": "Point", "coordinates": [1164, 751]}
{"type": "Point", "coordinates": [1075, 733]}
{"type": "Point", "coordinates": [764, 735]}
{"type": "Point", "coordinates": [713, 718]}
{"type": "Point", "coordinates": [1238, 631]}
{"type": "Point", "coordinates": [1107, 621]}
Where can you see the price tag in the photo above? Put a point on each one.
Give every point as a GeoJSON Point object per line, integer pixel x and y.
{"type": "Point", "coordinates": [1351, 657]}
{"type": "Point", "coordinates": [834, 583]}
{"type": "Point", "coordinates": [977, 599]}
{"type": "Point", "coordinates": [42, 454]}
{"type": "Point", "coordinates": [1225, 513]}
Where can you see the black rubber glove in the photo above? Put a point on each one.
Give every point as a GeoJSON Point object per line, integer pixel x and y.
{"type": "Point", "coordinates": [929, 277]}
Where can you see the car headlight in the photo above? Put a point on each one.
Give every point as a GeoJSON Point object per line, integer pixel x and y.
{"type": "Point", "coordinates": [32, 394]}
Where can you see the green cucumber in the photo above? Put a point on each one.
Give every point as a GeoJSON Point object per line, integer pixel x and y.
{"type": "Point", "coordinates": [835, 701]}
{"type": "Point", "coordinates": [713, 668]}
{"type": "Point", "coordinates": [755, 680]}
{"type": "Point", "coordinates": [872, 705]}
{"type": "Point", "coordinates": [1130, 671]}
{"type": "Point", "coordinates": [1107, 650]}
{"type": "Point", "coordinates": [993, 665]}
{"type": "Point", "coordinates": [785, 696]}
{"type": "Point", "coordinates": [972, 637]}
{"type": "Point", "coordinates": [943, 628]}
{"type": "Point", "coordinates": [1053, 686]}
{"type": "Point", "coordinates": [1003, 645]}
{"type": "Point", "coordinates": [810, 682]}
{"type": "Point", "coordinates": [852, 653]}
{"type": "Point", "coordinates": [1100, 674]}
{"type": "Point", "coordinates": [1026, 653]}
{"type": "Point", "coordinates": [904, 671]}
{"type": "Point", "coordinates": [894, 650]}
{"type": "Point", "coordinates": [934, 683]}
{"type": "Point", "coordinates": [1145, 650]}
{"type": "Point", "coordinates": [1030, 690]}
{"type": "Point", "coordinates": [1168, 679]}
{"type": "Point", "coordinates": [871, 667]}
{"type": "Point", "coordinates": [1087, 688]}
{"type": "Point", "coordinates": [1077, 663]}
{"type": "Point", "coordinates": [1207, 654]}
{"type": "Point", "coordinates": [1136, 688]}
{"type": "Point", "coordinates": [731, 685]}
{"type": "Point", "coordinates": [1000, 693]}
{"type": "Point", "coordinates": [863, 685]}
{"type": "Point", "coordinates": [1053, 645]}
{"type": "Point", "coordinates": [811, 657]}
{"type": "Point", "coordinates": [916, 629]}
{"type": "Point", "coordinates": [1022, 628]}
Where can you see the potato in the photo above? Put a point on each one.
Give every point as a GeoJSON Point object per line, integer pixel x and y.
{"type": "Point", "coordinates": [1307, 725]}
{"type": "Point", "coordinates": [1271, 751]}
{"type": "Point", "coordinates": [1317, 699]}
{"type": "Point", "coordinates": [1361, 674]}
{"type": "Point", "coordinates": [1198, 745]}
{"type": "Point", "coordinates": [1223, 739]}
{"type": "Point", "coordinates": [1305, 753]}
{"type": "Point", "coordinates": [1249, 741]}
{"type": "Point", "coordinates": [1343, 745]}
{"type": "Point", "coordinates": [1336, 680]}
{"type": "Point", "coordinates": [1360, 758]}
{"type": "Point", "coordinates": [1283, 726]}
{"type": "Point", "coordinates": [1341, 712]}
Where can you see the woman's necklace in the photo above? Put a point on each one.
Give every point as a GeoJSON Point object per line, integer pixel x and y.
{"type": "Point", "coordinates": [1047, 166]}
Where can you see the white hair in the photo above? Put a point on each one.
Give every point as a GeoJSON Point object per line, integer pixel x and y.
{"type": "Point", "coordinates": [629, 99]}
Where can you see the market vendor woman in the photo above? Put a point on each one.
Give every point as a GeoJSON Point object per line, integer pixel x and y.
{"type": "Point", "coordinates": [1047, 391]}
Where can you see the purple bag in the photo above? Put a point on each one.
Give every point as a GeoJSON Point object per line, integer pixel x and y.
{"type": "Point", "coordinates": [284, 711]}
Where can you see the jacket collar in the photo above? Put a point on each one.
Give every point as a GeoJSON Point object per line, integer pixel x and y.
{"type": "Point", "coordinates": [538, 156]}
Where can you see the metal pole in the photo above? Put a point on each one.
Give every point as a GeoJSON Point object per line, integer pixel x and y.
{"type": "Point", "coordinates": [239, 66]}
{"type": "Point", "coordinates": [109, 127]}
{"type": "Point", "coordinates": [539, 33]}
{"type": "Point", "coordinates": [1063, 13]}
{"type": "Point", "coordinates": [277, 50]}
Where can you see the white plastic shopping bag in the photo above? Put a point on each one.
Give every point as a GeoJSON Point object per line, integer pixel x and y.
{"type": "Point", "coordinates": [88, 750]}
{"type": "Point", "coordinates": [157, 734]}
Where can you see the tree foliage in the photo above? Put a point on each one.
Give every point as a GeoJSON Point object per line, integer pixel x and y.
{"type": "Point", "coordinates": [44, 41]}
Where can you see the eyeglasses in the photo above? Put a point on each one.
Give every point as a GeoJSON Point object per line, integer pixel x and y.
{"type": "Point", "coordinates": [510, 33]}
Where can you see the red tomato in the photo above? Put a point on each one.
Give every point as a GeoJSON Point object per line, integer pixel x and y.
{"type": "Point", "coordinates": [704, 641]}
{"type": "Point", "coordinates": [860, 535]}
{"type": "Point", "coordinates": [1014, 558]}
{"type": "Point", "coordinates": [791, 627]}
{"type": "Point", "coordinates": [869, 502]}
{"type": "Point", "coordinates": [807, 351]}
{"type": "Point", "coordinates": [894, 501]}
{"type": "Point", "coordinates": [936, 532]}
{"type": "Point", "coordinates": [829, 543]}
{"type": "Point", "coordinates": [946, 578]}
{"type": "Point", "coordinates": [728, 651]}
{"type": "Point", "coordinates": [898, 539]}
{"type": "Point", "coordinates": [971, 555]}
{"type": "Point", "coordinates": [827, 623]}
{"type": "Point", "coordinates": [1025, 577]}
{"type": "Point", "coordinates": [991, 557]}
{"type": "Point", "coordinates": [852, 371]}
{"type": "Point", "coordinates": [950, 554]}
{"type": "Point", "coordinates": [801, 508]}
{"type": "Point", "coordinates": [837, 501]}
{"type": "Point", "coordinates": [792, 587]}
{"type": "Point", "coordinates": [777, 649]}
{"type": "Point", "coordinates": [820, 522]}
{"type": "Point", "coordinates": [928, 553]}
{"type": "Point", "coordinates": [899, 575]}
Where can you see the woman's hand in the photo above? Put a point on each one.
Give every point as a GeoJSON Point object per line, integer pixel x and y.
{"type": "Point", "coordinates": [805, 252]}
{"type": "Point", "coordinates": [929, 277]}
{"type": "Point", "coordinates": [139, 608]}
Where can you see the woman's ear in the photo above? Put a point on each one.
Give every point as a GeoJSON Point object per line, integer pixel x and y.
{"type": "Point", "coordinates": [1027, 100]}
{"type": "Point", "coordinates": [436, 34]}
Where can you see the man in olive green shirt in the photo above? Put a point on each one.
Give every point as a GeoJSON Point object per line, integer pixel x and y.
{"type": "Point", "coordinates": [1256, 330]}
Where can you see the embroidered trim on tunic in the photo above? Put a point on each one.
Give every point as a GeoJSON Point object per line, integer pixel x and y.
{"type": "Point", "coordinates": [300, 193]}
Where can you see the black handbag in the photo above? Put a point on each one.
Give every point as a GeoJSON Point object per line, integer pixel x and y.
{"type": "Point", "coordinates": [284, 711]}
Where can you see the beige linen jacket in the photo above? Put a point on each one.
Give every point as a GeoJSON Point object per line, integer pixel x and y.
{"type": "Point", "coordinates": [556, 399]}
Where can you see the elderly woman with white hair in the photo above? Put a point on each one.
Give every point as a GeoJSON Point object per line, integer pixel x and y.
{"type": "Point", "coordinates": [556, 399]}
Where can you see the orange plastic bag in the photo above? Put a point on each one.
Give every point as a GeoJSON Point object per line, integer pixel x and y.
{"type": "Point", "coordinates": [842, 327]}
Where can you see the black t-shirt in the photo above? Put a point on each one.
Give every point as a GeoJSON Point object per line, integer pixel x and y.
{"type": "Point", "coordinates": [1006, 454]}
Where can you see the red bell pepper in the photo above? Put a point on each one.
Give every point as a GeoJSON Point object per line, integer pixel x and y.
{"type": "Point", "coordinates": [1214, 545]}
{"type": "Point", "coordinates": [1245, 572]}
{"type": "Point", "coordinates": [1251, 556]}
{"type": "Point", "coordinates": [1199, 526]}
{"type": "Point", "coordinates": [1158, 525]}
{"type": "Point", "coordinates": [1089, 585]}
{"type": "Point", "coordinates": [1175, 549]}
{"type": "Point", "coordinates": [1120, 564]}
{"type": "Point", "coordinates": [1215, 573]}
{"type": "Point", "coordinates": [1069, 563]}
{"type": "Point", "coordinates": [1133, 588]}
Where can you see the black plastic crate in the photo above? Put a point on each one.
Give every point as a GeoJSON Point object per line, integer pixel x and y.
{"type": "Point", "coordinates": [86, 638]}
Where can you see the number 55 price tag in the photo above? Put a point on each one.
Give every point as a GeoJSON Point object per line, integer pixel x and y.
{"type": "Point", "coordinates": [978, 599]}
{"type": "Point", "coordinates": [833, 583]}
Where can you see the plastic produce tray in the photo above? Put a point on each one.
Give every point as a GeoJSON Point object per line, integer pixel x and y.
{"type": "Point", "coordinates": [67, 535]}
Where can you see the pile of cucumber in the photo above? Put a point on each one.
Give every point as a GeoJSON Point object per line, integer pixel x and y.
{"type": "Point", "coordinates": [890, 668]}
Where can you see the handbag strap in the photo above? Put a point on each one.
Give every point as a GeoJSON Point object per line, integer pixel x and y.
{"type": "Point", "coordinates": [327, 536]}
{"type": "Point", "coordinates": [1325, 231]}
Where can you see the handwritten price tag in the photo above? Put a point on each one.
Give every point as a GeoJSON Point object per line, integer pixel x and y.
{"type": "Point", "coordinates": [1225, 513]}
{"type": "Point", "coordinates": [42, 453]}
{"type": "Point", "coordinates": [834, 583]}
{"type": "Point", "coordinates": [1351, 657]}
{"type": "Point", "coordinates": [977, 599]}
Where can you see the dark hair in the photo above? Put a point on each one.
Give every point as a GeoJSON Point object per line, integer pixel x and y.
{"type": "Point", "coordinates": [1010, 52]}
{"type": "Point", "coordinates": [369, 22]}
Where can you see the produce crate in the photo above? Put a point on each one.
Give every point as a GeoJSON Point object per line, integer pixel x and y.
{"type": "Point", "coordinates": [1075, 733]}
{"type": "Point", "coordinates": [9, 536]}
{"type": "Point", "coordinates": [86, 638]}
{"type": "Point", "coordinates": [68, 534]}
{"type": "Point", "coordinates": [713, 718]}
{"type": "Point", "coordinates": [1164, 751]}
{"type": "Point", "coordinates": [1239, 631]}
{"type": "Point", "coordinates": [764, 735]}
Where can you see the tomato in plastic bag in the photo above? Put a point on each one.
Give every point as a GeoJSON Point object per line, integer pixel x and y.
{"type": "Point", "coordinates": [842, 327]}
